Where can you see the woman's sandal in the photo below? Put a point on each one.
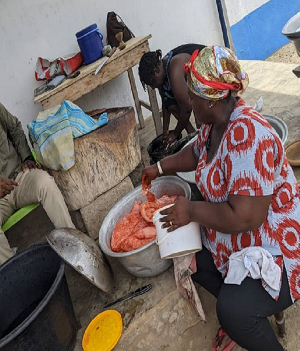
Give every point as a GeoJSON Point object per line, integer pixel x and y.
{"type": "Point", "coordinates": [219, 336]}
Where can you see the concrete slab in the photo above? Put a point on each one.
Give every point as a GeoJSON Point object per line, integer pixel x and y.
{"type": "Point", "coordinates": [278, 86]}
{"type": "Point", "coordinates": [161, 319]}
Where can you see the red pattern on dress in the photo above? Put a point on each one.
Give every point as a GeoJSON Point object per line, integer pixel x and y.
{"type": "Point", "coordinates": [264, 159]}
{"type": "Point", "coordinates": [295, 281]}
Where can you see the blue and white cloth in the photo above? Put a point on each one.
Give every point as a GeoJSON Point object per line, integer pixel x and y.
{"type": "Point", "coordinates": [52, 133]}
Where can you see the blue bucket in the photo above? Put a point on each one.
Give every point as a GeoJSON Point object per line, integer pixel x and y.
{"type": "Point", "coordinates": [90, 43]}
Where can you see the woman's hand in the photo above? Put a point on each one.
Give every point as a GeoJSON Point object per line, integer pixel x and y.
{"type": "Point", "coordinates": [178, 215]}
{"type": "Point", "coordinates": [149, 174]}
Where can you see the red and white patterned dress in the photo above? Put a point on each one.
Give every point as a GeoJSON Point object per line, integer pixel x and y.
{"type": "Point", "coordinates": [251, 161]}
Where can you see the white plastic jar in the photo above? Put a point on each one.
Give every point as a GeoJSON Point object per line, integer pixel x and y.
{"type": "Point", "coordinates": [182, 241]}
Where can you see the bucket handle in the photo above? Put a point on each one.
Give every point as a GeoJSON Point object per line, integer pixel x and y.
{"type": "Point", "coordinates": [100, 34]}
{"type": "Point", "coordinates": [93, 30]}
{"type": "Point", "coordinates": [162, 239]}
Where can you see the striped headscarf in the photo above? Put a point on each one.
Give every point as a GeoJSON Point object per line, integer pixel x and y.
{"type": "Point", "coordinates": [215, 71]}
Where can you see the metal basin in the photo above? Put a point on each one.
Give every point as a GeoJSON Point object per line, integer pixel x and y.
{"type": "Point", "coordinates": [145, 261]}
{"type": "Point", "coordinates": [82, 253]}
{"type": "Point", "coordinates": [292, 31]}
{"type": "Point", "coordinates": [278, 124]}
{"type": "Point", "coordinates": [292, 28]}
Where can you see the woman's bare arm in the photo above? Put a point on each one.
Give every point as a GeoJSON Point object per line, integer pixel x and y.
{"type": "Point", "coordinates": [182, 161]}
{"type": "Point", "coordinates": [180, 91]}
{"type": "Point", "coordinates": [238, 214]}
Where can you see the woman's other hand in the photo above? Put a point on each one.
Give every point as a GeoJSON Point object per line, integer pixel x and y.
{"type": "Point", "coordinates": [149, 174]}
{"type": "Point", "coordinates": [178, 215]}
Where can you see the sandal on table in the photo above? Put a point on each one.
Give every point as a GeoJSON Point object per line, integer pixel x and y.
{"type": "Point", "coordinates": [219, 336]}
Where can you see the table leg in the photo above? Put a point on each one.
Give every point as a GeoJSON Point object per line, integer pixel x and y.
{"type": "Point", "coordinates": [155, 110]}
{"type": "Point", "coordinates": [136, 98]}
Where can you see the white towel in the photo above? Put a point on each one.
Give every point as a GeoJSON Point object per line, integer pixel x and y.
{"type": "Point", "coordinates": [255, 262]}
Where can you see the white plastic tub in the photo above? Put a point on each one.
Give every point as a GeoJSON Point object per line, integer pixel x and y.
{"type": "Point", "coordinates": [180, 242]}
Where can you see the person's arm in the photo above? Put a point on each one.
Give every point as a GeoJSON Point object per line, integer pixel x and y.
{"type": "Point", "coordinates": [180, 91]}
{"type": "Point", "coordinates": [238, 214]}
{"type": "Point", "coordinates": [15, 133]}
{"type": "Point", "coordinates": [17, 136]}
{"type": "Point", "coordinates": [166, 119]}
{"type": "Point", "coordinates": [183, 161]}
{"type": "Point", "coordinates": [166, 122]}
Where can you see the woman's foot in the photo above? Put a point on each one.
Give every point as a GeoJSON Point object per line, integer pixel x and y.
{"type": "Point", "coordinates": [222, 342]}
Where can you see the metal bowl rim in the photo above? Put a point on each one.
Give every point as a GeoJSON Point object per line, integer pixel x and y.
{"type": "Point", "coordinates": [281, 124]}
{"type": "Point", "coordinates": [284, 29]}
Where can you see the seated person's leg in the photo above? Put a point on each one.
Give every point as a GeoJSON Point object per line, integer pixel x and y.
{"type": "Point", "coordinates": [38, 186]}
{"type": "Point", "coordinates": [243, 310]}
{"type": "Point", "coordinates": [5, 212]}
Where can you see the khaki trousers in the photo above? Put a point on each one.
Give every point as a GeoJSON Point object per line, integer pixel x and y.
{"type": "Point", "coordinates": [34, 186]}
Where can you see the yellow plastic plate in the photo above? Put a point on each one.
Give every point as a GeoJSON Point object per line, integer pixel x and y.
{"type": "Point", "coordinates": [104, 331]}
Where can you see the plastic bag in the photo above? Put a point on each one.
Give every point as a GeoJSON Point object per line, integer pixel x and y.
{"type": "Point", "coordinates": [47, 69]}
{"type": "Point", "coordinates": [259, 104]}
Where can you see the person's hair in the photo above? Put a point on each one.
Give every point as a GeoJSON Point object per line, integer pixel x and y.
{"type": "Point", "coordinates": [149, 63]}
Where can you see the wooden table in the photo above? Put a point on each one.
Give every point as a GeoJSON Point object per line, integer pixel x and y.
{"type": "Point", "coordinates": [121, 61]}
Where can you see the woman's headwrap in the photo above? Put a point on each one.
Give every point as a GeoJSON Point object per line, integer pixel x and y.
{"type": "Point", "coordinates": [215, 71]}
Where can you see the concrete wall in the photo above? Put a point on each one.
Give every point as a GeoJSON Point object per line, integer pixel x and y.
{"type": "Point", "coordinates": [256, 25]}
{"type": "Point", "coordinates": [238, 9]}
{"type": "Point", "coordinates": [29, 29]}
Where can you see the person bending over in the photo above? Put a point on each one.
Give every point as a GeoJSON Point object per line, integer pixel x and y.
{"type": "Point", "coordinates": [250, 216]}
{"type": "Point", "coordinates": [22, 182]}
{"type": "Point", "coordinates": [166, 74]}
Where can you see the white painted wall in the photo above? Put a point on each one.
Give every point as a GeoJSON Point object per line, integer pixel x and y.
{"type": "Point", "coordinates": [29, 29]}
{"type": "Point", "coordinates": [238, 9]}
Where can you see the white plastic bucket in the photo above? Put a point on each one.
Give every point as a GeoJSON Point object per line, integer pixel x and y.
{"type": "Point", "coordinates": [180, 242]}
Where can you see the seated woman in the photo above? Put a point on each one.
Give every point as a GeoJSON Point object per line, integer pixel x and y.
{"type": "Point", "coordinates": [167, 75]}
{"type": "Point", "coordinates": [251, 208]}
